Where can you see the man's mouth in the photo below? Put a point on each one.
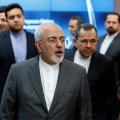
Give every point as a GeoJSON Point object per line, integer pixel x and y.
{"type": "Point", "coordinates": [59, 53]}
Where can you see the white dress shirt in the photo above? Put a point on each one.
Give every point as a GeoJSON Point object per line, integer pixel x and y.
{"type": "Point", "coordinates": [85, 62]}
{"type": "Point", "coordinates": [49, 76]}
{"type": "Point", "coordinates": [106, 42]}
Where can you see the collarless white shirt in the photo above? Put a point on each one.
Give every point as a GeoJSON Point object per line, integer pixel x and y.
{"type": "Point", "coordinates": [106, 42]}
{"type": "Point", "coordinates": [19, 43]}
{"type": "Point", "coordinates": [49, 76]}
{"type": "Point", "coordinates": [85, 62]}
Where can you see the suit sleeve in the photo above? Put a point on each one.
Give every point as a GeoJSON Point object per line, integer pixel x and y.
{"type": "Point", "coordinates": [111, 94]}
{"type": "Point", "coordinates": [9, 98]}
{"type": "Point", "coordinates": [85, 103]}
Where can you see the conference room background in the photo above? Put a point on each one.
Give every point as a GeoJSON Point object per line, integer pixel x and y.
{"type": "Point", "coordinates": [60, 11]}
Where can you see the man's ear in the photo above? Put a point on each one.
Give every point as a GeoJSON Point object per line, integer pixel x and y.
{"type": "Point", "coordinates": [75, 42]}
{"type": "Point", "coordinates": [38, 45]}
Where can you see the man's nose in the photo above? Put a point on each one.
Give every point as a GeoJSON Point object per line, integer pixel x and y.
{"type": "Point", "coordinates": [59, 43]}
{"type": "Point", "coordinates": [16, 18]}
{"type": "Point", "coordinates": [111, 24]}
{"type": "Point", "coordinates": [88, 44]}
{"type": "Point", "coordinates": [1, 22]}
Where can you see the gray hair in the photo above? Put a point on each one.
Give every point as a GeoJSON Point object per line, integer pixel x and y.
{"type": "Point", "coordinates": [41, 29]}
{"type": "Point", "coordinates": [39, 32]}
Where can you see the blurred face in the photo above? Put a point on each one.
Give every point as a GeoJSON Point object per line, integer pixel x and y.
{"type": "Point", "coordinates": [73, 24]}
{"type": "Point", "coordinates": [112, 25]}
{"type": "Point", "coordinates": [52, 47]}
{"type": "Point", "coordinates": [3, 22]}
{"type": "Point", "coordinates": [15, 20]}
{"type": "Point", "coordinates": [86, 43]}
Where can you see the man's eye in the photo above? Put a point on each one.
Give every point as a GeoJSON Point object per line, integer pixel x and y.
{"type": "Point", "coordinates": [3, 20]}
{"type": "Point", "coordinates": [62, 40]}
{"type": "Point", "coordinates": [52, 40]}
{"type": "Point", "coordinates": [93, 41]}
{"type": "Point", "coordinates": [84, 41]}
{"type": "Point", "coordinates": [12, 17]}
{"type": "Point", "coordinates": [19, 16]}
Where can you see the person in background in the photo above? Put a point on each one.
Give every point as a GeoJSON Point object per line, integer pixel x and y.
{"type": "Point", "coordinates": [47, 87]}
{"type": "Point", "coordinates": [3, 21]}
{"type": "Point", "coordinates": [74, 23]}
{"type": "Point", "coordinates": [99, 70]}
{"type": "Point", "coordinates": [16, 44]}
{"type": "Point", "coordinates": [109, 44]}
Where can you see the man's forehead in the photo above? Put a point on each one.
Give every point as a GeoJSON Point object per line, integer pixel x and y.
{"type": "Point", "coordinates": [52, 27]}
{"type": "Point", "coordinates": [90, 32]}
{"type": "Point", "coordinates": [73, 22]}
{"type": "Point", "coordinates": [2, 14]}
{"type": "Point", "coordinates": [112, 17]}
{"type": "Point", "coordinates": [51, 30]}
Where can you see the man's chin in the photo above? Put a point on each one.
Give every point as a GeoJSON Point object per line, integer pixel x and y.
{"type": "Point", "coordinates": [86, 56]}
{"type": "Point", "coordinates": [111, 32]}
{"type": "Point", "coordinates": [16, 30]}
{"type": "Point", "coordinates": [57, 59]}
{"type": "Point", "coordinates": [58, 55]}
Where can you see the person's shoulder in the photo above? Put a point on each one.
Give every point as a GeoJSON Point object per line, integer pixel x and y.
{"type": "Point", "coordinates": [72, 65]}
{"type": "Point", "coordinates": [4, 33]}
{"type": "Point", "coordinates": [102, 58]}
{"type": "Point", "coordinates": [29, 33]}
{"type": "Point", "coordinates": [68, 53]}
{"type": "Point", "coordinates": [102, 36]}
{"type": "Point", "coordinates": [3, 36]}
{"type": "Point", "coordinates": [118, 34]}
{"type": "Point", "coordinates": [30, 36]}
{"type": "Point", "coordinates": [25, 63]}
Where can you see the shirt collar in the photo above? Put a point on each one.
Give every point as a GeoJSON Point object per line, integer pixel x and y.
{"type": "Point", "coordinates": [81, 57]}
{"type": "Point", "coordinates": [112, 36]}
{"type": "Point", "coordinates": [17, 34]}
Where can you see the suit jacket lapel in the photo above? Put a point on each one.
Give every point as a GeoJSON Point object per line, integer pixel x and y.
{"type": "Point", "coordinates": [61, 83]}
{"type": "Point", "coordinates": [30, 41]}
{"type": "Point", "coordinates": [93, 64]}
{"type": "Point", "coordinates": [34, 74]}
{"type": "Point", "coordinates": [92, 68]}
{"type": "Point", "coordinates": [112, 45]}
{"type": "Point", "coordinates": [100, 43]}
{"type": "Point", "coordinates": [9, 46]}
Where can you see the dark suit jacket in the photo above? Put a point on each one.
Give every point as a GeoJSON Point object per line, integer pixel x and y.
{"type": "Point", "coordinates": [102, 85]}
{"type": "Point", "coordinates": [114, 52]}
{"type": "Point", "coordinates": [7, 57]}
{"type": "Point", "coordinates": [23, 97]}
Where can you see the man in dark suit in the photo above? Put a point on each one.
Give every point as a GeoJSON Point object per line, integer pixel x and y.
{"type": "Point", "coordinates": [47, 87]}
{"type": "Point", "coordinates": [3, 21]}
{"type": "Point", "coordinates": [16, 44]}
{"type": "Point", "coordinates": [109, 44]}
{"type": "Point", "coordinates": [99, 70]}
